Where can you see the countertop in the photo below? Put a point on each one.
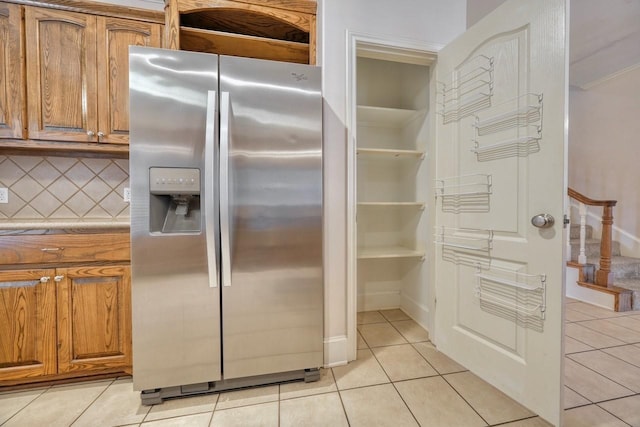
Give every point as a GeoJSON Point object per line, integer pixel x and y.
{"type": "Point", "coordinates": [63, 226]}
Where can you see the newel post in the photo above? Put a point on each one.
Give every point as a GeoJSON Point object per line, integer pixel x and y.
{"type": "Point", "coordinates": [604, 275]}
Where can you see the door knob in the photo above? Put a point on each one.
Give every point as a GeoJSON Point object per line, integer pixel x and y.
{"type": "Point", "coordinates": [543, 221]}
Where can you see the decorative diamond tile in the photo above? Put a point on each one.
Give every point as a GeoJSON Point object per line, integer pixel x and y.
{"type": "Point", "coordinates": [96, 189]}
{"type": "Point", "coordinates": [26, 163]}
{"type": "Point", "coordinates": [63, 164]}
{"type": "Point", "coordinates": [113, 175]}
{"type": "Point", "coordinates": [45, 203]}
{"type": "Point", "coordinates": [114, 204]}
{"type": "Point", "coordinates": [28, 213]}
{"type": "Point", "coordinates": [9, 173]}
{"type": "Point", "coordinates": [27, 188]}
{"type": "Point", "coordinates": [122, 164]}
{"type": "Point", "coordinates": [80, 203]}
{"type": "Point", "coordinates": [98, 212]}
{"type": "Point", "coordinates": [80, 174]}
{"type": "Point", "coordinates": [62, 189]}
{"type": "Point", "coordinates": [63, 212]}
{"type": "Point", "coordinates": [14, 205]}
{"type": "Point", "coordinates": [96, 165]}
{"type": "Point", "coordinates": [125, 214]}
{"type": "Point", "coordinates": [44, 173]}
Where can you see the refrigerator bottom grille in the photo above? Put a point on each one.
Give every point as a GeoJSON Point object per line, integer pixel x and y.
{"type": "Point", "coordinates": [157, 396]}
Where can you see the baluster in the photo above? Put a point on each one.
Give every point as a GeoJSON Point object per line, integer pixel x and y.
{"type": "Point", "coordinates": [582, 257]}
{"type": "Point", "coordinates": [604, 276]}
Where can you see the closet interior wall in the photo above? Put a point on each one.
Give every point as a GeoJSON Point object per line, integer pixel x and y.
{"type": "Point", "coordinates": [392, 184]}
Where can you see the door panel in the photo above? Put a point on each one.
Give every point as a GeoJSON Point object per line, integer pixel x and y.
{"type": "Point", "coordinates": [27, 324]}
{"type": "Point", "coordinates": [11, 71]}
{"type": "Point", "coordinates": [272, 304]}
{"type": "Point", "coordinates": [94, 318]}
{"type": "Point", "coordinates": [176, 312]}
{"type": "Point", "coordinates": [61, 64]}
{"type": "Point", "coordinates": [114, 38]}
{"type": "Point", "coordinates": [500, 161]}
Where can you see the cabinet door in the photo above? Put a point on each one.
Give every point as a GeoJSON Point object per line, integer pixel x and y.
{"type": "Point", "coordinates": [27, 324]}
{"type": "Point", "coordinates": [94, 318]}
{"type": "Point", "coordinates": [114, 38]}
{"type": "Point", "coordinates": [61, 75]}
{"type": "Point", "coordinates": [11, 71]}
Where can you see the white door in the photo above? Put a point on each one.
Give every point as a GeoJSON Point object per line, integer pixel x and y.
{"type": "Point", "coordinates": [500, 144]}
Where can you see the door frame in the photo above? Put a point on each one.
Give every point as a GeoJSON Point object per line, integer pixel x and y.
{"type": "Point", "coordinates": [392, 46]}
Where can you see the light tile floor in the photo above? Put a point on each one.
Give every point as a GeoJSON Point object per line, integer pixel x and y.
{"type": "Point", "coordinates": [399, 379]}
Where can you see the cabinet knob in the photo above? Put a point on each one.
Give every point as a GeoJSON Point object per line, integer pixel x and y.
{"type": "Point", "coordinates": [58, 278]}
{"type": "Point", "coordinates": [100, 135]}
{"type": "Point", "coordinates": [44, 279]}
{"type": "Point", "coordinates": [90, 133]}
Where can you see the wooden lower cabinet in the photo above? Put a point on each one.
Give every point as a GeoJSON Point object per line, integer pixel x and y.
{"type": "Point", "coordinates": [64, 322]}
{"type": "Point", "coordinates": [27, 324]}
{"type": "Point", "coordinates": [94, 318]}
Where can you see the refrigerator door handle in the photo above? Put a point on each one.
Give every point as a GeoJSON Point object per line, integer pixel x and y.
{"type": "Point", "coordinates": [225, 225]}
{"type": "Point", "coordinates": [209, 189]}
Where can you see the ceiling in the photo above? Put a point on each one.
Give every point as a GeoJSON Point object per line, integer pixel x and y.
{"type": "Point", "coordinates": [604, 40]}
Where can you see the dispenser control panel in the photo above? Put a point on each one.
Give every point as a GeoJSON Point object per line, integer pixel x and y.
{"type": "Point", "coordinates": [174, 181]}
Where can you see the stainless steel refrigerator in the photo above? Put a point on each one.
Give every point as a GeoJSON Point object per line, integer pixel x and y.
{"type": "Point", "coordinates": [226, 222]}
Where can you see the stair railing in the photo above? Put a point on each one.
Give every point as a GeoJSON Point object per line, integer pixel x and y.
{"type": "Point", "coordinates": [603, 276]}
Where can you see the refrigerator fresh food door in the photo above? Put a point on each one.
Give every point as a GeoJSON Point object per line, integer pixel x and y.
{"type": "Point", "coordinates": [271, 227]}
{"type": "Point", "coordinates": [174, 255]}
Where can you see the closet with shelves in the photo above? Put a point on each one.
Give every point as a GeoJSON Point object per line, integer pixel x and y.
{"type": "Point", "coordinates": [392, 131]}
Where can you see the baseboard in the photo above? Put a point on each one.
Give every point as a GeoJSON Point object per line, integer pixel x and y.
{"type": "Point", "coordinates": [378, 301]}
{"type": "Point", "coordinates": [415, 310]}
{"type": "Point", "coordinates": [335, 351]}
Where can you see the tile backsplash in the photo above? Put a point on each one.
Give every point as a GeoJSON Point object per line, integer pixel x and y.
{"type": "Point", "coordinates": [64, 188]}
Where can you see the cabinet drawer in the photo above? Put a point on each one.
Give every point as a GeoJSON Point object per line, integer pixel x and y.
{"type": "Point", "coordinates": [64, 248]}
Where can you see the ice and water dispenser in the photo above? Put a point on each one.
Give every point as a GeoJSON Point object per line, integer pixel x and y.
{"type": "Point", "coordinates": [174, 200]}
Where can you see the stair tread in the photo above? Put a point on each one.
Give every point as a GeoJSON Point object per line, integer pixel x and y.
{"type": "Point", "coordinates": [615, 260]}
{"type": "Point", "coordinates": [632, 283]}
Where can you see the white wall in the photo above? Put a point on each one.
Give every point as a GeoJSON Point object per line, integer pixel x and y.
{"type": "Point", "coordinates": [476, 9]}
{"type": "Point", "coordinates": [604, 132]}
{"type": "Point", "coordinates": [418, 21]}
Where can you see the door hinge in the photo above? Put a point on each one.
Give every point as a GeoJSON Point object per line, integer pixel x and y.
{"type": "Point", "coordinates": [566, 221]}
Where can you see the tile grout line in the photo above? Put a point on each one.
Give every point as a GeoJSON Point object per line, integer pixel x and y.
{"type": "Point", "coordinates": [603, 375]}
{"type": "Point", "coordinates": [607, 334]}
{"type": "Point", "coordinates": [344, 410]}
{"type": "Point", "coordinates": [612, 414]}
{"type": "Point", "coordinates": [27, 404]}
{"type": "Point", "coordinates": [393, 383]}
{"type": "Point", "coordinates": [465, 400]}
{"type": "Point", "coordinates": [93, 401]}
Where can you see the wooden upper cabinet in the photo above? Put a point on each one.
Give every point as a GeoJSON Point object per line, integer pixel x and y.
{"type": "Point", "coordinates": [78, 74]}
{"type": "Point", "coordinates": [27, 324]}
{"type": "Point", "coordinates": [280, 30]}
{"type": "Point", "coordinates": [114, 38]}
{"type": "Point", "coordinates": [61, 75]}
{"type": "Point", "coordinates": [11, 72]}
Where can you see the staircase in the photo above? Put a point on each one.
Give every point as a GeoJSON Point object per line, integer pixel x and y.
{"type": "Point", "coordinates": [626, 270]}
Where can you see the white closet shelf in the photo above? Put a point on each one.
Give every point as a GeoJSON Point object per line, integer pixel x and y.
{"type": "Point", "coordinates": [389, 252]}
{"type": "Point", "coordinates": [387, 152]}
{"type": "Point", "coordinates": [419, 205]}
{"type": "Point", "coordinates": [383, 116]}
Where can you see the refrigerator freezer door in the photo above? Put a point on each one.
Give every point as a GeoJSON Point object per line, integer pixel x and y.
{"type": "Point", "coordinates": [176, 313]}
{"type": "Point", "coordinates": [273, 307]}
